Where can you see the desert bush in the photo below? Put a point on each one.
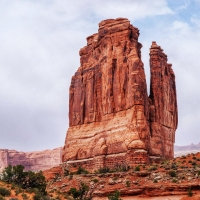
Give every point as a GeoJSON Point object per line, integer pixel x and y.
{"type": "Point", "coordinates": [24, 179]}
{"type": "Point", "coordinates": [190, 192]}
{"type": "Point", "coordinates": [137, 168]}
{"type": "Point", "coordinates": [24, 196]}
{"type": "Point", "coordinates": [172, 173]}
{"type": "Point", "coordinates": [114, 196]}
{"type": "Point", "coordinates": [103, 170]}
{"type": "Point", "coordinates": [174, 180]}
{"type": "Point", "coordinates": [194, 163]}
{"type": "Point", "coordinates": [152, 168]}
{"type": "Point", "coordinates": [128, 183]}
{"type": "Point", "coordinates": [66, 172]}
{"type": "Point", "coordinates": [4, 192]}
{"type": "Point", "coordinates": [2, 198]}
{"type": "Point", "coordinates": [81, 171]}
{"type": "Point", "coordinates": [18, 191]}
{"type": "Point", "coordinates": [81, 193]}
{"type": "Point", "coordinates": [174, 166]}
{"type": "Point", "coordinates": [95, 180]}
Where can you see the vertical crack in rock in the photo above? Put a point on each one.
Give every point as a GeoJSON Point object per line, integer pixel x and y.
{"type": "Point", "coordinates": [112, 120]}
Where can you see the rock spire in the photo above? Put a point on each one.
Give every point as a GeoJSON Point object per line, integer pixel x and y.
{"type": "Point", "coordinates": [112, 121]}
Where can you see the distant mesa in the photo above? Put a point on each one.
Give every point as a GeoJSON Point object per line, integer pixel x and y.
{"type": "Point", "coordinates": [111, 118]}
{"type": "Point", "coordinates": [33, 161]}
{"type": "Point", "coordinates": [187, 149]}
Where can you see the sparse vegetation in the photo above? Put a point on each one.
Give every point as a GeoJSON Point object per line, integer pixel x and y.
{"type": "Point", "coordinates": [103, 170]}
{"type": "Point", "coordinates": [81, 170]}
{"type": "Point", "coordinates": [190, 192]}
{"type": "Point", "coordinates": [4, 192]}
{"type": "Point", "coordinates": [174, 180]}
{"type": "Point", "coordinates": [137, 168]}
{"type": "Point", "coordinates": [128, 183]}
{"type": "Point", "coordinates": [152, 168]}
{"type": "Point", "coordinates": [24, 181]}
{"type": "Point", "coordinates": [114, 196]}
{"type": "Point", "coordinates": [82, 193]}
{"type": "Point", "coordinates": [172, 173]}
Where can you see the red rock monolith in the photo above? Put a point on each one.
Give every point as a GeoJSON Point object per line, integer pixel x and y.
{"type": "Point", "coordinates": [109, 107]}
{"type": "Point", "coordinates": [163, 104]}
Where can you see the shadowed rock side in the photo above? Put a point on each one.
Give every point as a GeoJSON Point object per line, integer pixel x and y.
{"type": "Point", "coordinates": [163, 104]}
{"type": "Point", "coordinates": [109, 105]}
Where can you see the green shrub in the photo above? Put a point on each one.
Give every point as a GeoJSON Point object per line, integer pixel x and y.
{"type": "Point", "coordinates": [190, 192]}
{"type": "Point", "coordinates": [152, 168]}
{"type": "Point", "coordinates": [81, 193]}
{"type": "Point", "coordinates": [95, 180]}
{"type": "Point", "coordinates": [103, 170]}
{"type": "Point", "coordinates": [24, 179]}
{"type": "Point", "coordinates": [2, 198]}
{"type": "Point", "coordinates": [4, 192]}
{"type": "Point", "coordinates": [137, 168]}
{"type": "Point", "coordinates": [173, 166]}
{"type": "Point", "coordinates": [74, 192]}
{"type": "Point", "coordinates": [114, 196]}
{"type": "Point", "coordinates": [172, 173]}
{"type": "Point", "coordinates": [194, 163]}
{"type": "Point", "coordinates": [66, 172]}
{"type": "Point", "coordinates": [174, 180]}
{"type": "Point", "coordinates": [18, 191]}
{"type": "Point", "coordinates": [81, 171]}
{"type": "Point", "coordinates": [128, 183]}
{"type": "Point", "coordinates": [24, 196]}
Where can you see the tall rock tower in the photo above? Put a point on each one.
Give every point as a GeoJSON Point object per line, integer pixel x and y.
{"type": "Point", "coordinates": [109, 106]}
{"type": "Point", "coordinates": [163, 104]}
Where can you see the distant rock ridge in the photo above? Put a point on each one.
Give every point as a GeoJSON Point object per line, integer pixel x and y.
{"type": "Point", "coordinates": [187, 147]}
{"type": "Point", "coordinates": [112, 120]}
{"type": "Point", "coordinates": [34, 161]}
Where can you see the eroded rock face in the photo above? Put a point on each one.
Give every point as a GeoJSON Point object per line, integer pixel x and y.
{"type": "Point", "coordinates": [163, 104]}
{"type": "Point", "coordinates": [109, 105]}
{"type": "Point", "coordinates": [34, 161]}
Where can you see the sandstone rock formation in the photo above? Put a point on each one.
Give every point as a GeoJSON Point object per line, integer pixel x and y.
{"type": "Point", "coordinates": [112, 120]}
{"type": "Point", "coordinates": [34, 161]}
{"type": "Point", "coordinates": [163, 116]}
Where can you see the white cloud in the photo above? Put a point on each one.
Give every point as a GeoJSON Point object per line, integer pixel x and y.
{"type": "Point", "coordinates": [40, 41]}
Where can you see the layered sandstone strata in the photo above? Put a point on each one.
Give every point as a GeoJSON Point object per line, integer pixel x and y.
{"type": "Point", "coordinates": [109, 105]}
{"type": "Point", "coordinates": [34, 161]}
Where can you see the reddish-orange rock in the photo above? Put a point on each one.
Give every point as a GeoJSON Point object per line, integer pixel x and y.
{"type": "Point", "coordinates": [163, 104]}
{"type": "Point", "coordinates": [109, 105]}
{"type": "Point", "coordinates": [34, 161]}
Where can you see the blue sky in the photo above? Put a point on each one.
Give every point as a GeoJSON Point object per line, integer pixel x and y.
{"type": "Point", "coordinates": [39, 45]}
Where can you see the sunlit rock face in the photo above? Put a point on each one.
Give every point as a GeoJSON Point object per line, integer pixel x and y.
{"type": "Point", "coordinates": [109, 107]}
{"type": "Point", "coordinates": [34, 161]}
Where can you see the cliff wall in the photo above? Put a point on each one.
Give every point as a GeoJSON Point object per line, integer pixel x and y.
{"type": "Point", "coordinates": [34, 161]}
